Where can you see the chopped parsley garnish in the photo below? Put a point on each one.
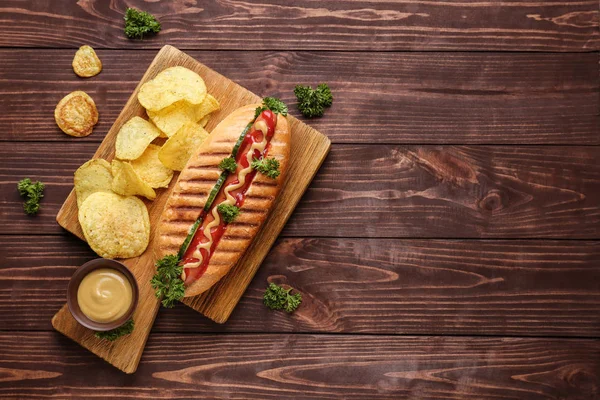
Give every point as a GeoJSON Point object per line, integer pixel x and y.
{"type": "Point", "coordinates": [278, 298]}
{"type": "Point", "coordinates": [273, 104]}
{"type": "Point", "coordinates": [267, 166]}
{"type": "Point", "coordinates": [140, 23]}
{"type": "Point", "coordinates": [312, 103]}
{"type": "Point", "coordinates": [228, 212]}
{"type": "Point", "coordinates": [116, 333]}
{"type": "Point", "coordinates": [33, 192]}
{"type": "Point", "coordinates": [167, 281]}
{"type": "Point", "coordinates": [228, 164]}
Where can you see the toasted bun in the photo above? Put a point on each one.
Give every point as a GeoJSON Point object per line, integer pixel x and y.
{"type": "Point", "coordinates": [197, 180]}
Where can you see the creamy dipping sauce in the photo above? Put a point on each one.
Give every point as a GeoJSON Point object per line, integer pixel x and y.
{"type": "Point", "coordinates": [104, 295]}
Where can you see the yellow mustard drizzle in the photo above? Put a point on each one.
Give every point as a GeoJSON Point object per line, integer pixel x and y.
{"type": "Point", "coordinates": [229, 199]}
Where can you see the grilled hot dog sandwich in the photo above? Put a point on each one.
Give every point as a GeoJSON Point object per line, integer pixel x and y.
{"type": "Point", "coordinates": [224, 194]}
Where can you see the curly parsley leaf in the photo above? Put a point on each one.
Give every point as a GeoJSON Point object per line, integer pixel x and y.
{"type": "Point", "coordinates": [273, 104]}
{"type": "Point", "coordinates": [116, 333]}
{"type": "Point", "coordinates": [312, 103]}
{"type": "Point", "coordinates": [167, 281]}
{"type": "Point", "coordinates": [228, 212]}
{"type": "Point", "coordinates": [228, 164]}
{"type": "Point", "coordinates": [278, 298]}
{"type": "Point", "coordinates": [33, 192]}
{"type": "Point", "coordinates": [140, 23]}
{"type": "Point", "coordinates": [267, 166]}
{"type": "Point", "coordinates": [276, 105]}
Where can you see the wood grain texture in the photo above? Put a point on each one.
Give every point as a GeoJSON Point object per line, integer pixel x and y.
{"type": "Point", "coordinates": [528, 25]}
{"type": "Point", "coordinates": [369, 286]}
{"type": "Point", "coordinates": [39, 365]}
{"type": "Point", "coordinates": [411, 191]}
{"type": "Point", "coordinates": [400, 98]}
{"type": "Point", "coordinates": [308, 150]}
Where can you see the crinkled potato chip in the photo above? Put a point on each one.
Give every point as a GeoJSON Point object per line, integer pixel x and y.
{"type": "Point", "coordinates": [176, 151]}
{"type": "Point", "coordinates": [76, 114]}
{"type": "Point", "coordinates": [93, 176]}
{"type": "Point", "coordinates": [209, 105]}
{"type": "Point", "coordinates": [86, 63]}
{"type": "Point", "coordinates": [204, 121]}
{"type": "Point", "coordinates": [172, 85]}
{"type": "Point", "coordinates": [115, 226]}
{"type": "Point", "coordinates": [127, 182]}
{"type": "Point", "coordinates": [151, 170]}
{"type": "Point", "coordinates": [133, 138]}
{"type": "Point", "coordinates": [170, 119]}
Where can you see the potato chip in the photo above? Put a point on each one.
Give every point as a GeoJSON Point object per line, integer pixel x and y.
{"type": "Point", "coordinates": [170, 119]}
{"type": "Point", "coordinates": [127, 182]}
{"type": "Point", "coordinates": [151, 170]}
{"type": "Point", "coordinates": [76, 114]}
{"type": "Point", "coordinates": [209, 105]}
{"type": "Point", "coordinates": [115, 226]}
{"type": "Point", "coordinates": [86, 63]}
{"type": "Point", "coordinates": [172, 85]}
{"type": "Point", "coordinates": [204, 121]}
{"type": "Point", "coordinates": [133, 138]}
{"type": "Point", "coordinates": [176, 151]}
{"type": "Point", "coordinates": [93, 176]}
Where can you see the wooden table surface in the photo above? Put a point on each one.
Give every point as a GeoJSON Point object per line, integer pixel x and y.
{"type": "Point", "coordinates": [449, 248]}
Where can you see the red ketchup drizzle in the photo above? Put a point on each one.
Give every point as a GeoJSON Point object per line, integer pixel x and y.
{"type": "Point", "coordinates": [192, 274]}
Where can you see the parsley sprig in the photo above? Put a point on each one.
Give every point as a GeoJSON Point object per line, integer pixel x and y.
{"type": "Point", "coordinates": [228, 212]}
{"type": "Point", "coordinates": [167, 281]}
{"type": "Point", "coordinates": [278, 298]}
{"type": "Point", "coordinates": [140, 23]}
{"type": "Point", "coordinates": [228, 164]}
{"type": "Point", "coordinates": [267, 166]}
{"type": "Point", "coordinates": [273, 104]}
{"type": "Point", "coordinates": [33, 192]}
{"type": "Point", "coordinates": [116, 333]}
{"type": "Point", "coordinates": [312, 103]}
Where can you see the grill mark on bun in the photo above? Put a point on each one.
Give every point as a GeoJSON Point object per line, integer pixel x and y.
{"type": "Point", "coordinates": [198, 180]}
{"type": "Point", "coordinates": [179, 221]}
{"type": "Point", "coordinates": [241, 224]}
{"type": "Point", "coordinates": [258, 196]}
{"type": "Point", "coordinates": [236, 237]}
{"type": "Point", "coordinates": [265, 183]}
{"type": "Point", "coordinates": [206, 167]}
{"type": "Point", "coordinates": [185, 208]}
{"type": "Point", "coordinates": [253, 211]}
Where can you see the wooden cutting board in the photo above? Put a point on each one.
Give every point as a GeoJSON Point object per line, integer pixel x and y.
{"type": "Point", "coordinates": [308, 150]}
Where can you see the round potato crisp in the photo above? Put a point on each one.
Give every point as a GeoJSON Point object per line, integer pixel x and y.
{"type": "Point", "coordinates": [127, 182]}
{"type": "Point", "coordinates": [115, 226]}
{"type": "Point", "coordinates": [76, 114]}
{"type": "Point", "coordinates": [171, 85]}
{"type": "Point", "coordinates": [151, 170]}
{"type": "Point", "coordinates": [133, 138]}
{"type": "Point", "coordinates": [86, 63]}
{"type": "Point", "coordinates": [93, 176]}
{"type": "Point", "coordinates": [177, 150]}
{"type": "Point", "coordinates": [170, 119]}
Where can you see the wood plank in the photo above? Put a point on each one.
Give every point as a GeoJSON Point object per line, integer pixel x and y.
{"type": "Point", "coordinates": [462, 98]}
{"type": "Point", "coordinates": [43, 364]}
{"type": "Point", "coordinates": [308, 149]}
{"type": "Point", "coordinates": [412, 191]}
{"type": "Point", "coordinates": [370, 286]}
{"type": "Point", "coordinates": [528, 25]}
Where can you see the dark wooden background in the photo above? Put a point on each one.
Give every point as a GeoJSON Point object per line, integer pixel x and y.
{"type": "Point", "coordinates": [449, 247]}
